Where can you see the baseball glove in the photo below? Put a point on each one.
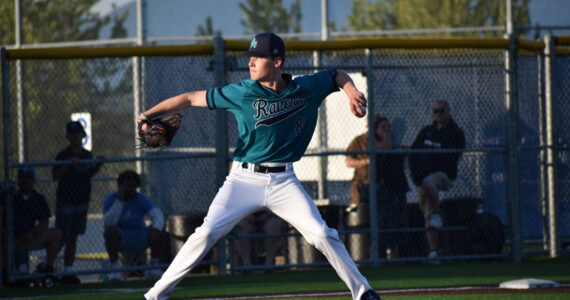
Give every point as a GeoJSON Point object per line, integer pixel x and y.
{"type": "Point", "coordinates": [159, 132]}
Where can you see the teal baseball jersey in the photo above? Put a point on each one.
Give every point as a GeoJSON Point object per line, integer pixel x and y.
{"type": "Point", "coordinates": [274, 127]}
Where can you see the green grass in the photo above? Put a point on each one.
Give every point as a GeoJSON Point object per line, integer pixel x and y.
{"type": "Point", "coordinates": [462, 297]}
{"type": "Point", "coordinates": [383, 277]}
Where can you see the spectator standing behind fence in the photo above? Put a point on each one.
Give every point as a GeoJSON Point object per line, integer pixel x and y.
{"type": "Point", "coordinates": [276, 116]}
{"type": "Point", "coordinates": [73, 192]}
{"type": "Point", "coordinates": [392, 184]}
{"type": "Point", "coordinates": [125, 229]}
{"type": "Point", "coordinates": [433, 172]}
{"type": "Point", "coordinates": [259, 222]}
{"type": "Point", "coordinates": [31, 215]}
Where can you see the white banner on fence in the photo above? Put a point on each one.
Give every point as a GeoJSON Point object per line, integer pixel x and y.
{"type": "Point", "coordinates": [85, 119]}
{"type": "Point", "coordinates": [342, 126]}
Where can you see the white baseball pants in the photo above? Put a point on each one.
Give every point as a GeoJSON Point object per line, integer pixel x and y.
{"type": "Point", "coordinates": [244, 192]}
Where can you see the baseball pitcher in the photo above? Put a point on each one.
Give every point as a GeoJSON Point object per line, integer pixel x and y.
{"type": "Point", "coordinates": [276, 117]}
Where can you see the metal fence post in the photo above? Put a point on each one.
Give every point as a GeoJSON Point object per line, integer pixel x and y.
{"type": "Point", "coordinates": [372, 174]}
{"type": "Point", "coordinates": [20, 101]}
{"type": "Point", "coordinates": [5, 111]}
{"type": "Point", "coordinates": [138, 87]}
{"type": "Point", "coordinates": [7, 151]}
{"type": "Point", "coordinates": [6, 131]}
{"type": "Point", "coordinates": [542, 152]}
{"type": "Point", "coordinates": [221, 137]}
{"type": "Point", "coordinates": [322, 118]}
{"type": "Point", "coordinates": [513, 165]}
{"type": "Point", "coordinates": [322, 142]}
{"type": "Point", "coordinates": [551, 144]}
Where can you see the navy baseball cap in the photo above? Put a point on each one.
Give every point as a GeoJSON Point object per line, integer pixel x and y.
{"type": "Point", "coordinates": [74, 127]}
{"type": "Point", "coordinates": [26, 172]}
{"type": "Point", "coordinates": [266, 44]}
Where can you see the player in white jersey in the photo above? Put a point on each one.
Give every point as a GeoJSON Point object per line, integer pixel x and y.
{"type": "Point", "coordinates": [276, 117]}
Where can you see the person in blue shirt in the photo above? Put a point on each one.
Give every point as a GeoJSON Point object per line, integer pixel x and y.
{"type": "Point", "coordinates": [276, 117]}
{"type": "Point", "coordinates": [125, 229]}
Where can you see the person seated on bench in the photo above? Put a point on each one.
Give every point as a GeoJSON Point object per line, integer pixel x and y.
{"type": "Point", "coordinates": [259, 222]}
{"type": "Point", "coordinates": [125, 229]}
{"type": "Point", "coordinates": [434, 171]}
{"type": "Point", "coordinates": [31, 215]}
{"type": "Point", "coordinates": [391, 183]}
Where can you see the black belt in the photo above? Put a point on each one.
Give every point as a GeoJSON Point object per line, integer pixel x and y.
{"type": "Point", "coordinates": [265, 169]}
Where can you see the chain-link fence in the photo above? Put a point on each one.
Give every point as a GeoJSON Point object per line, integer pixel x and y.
{"type": "Point", "coordinates": [403, 82]}
{"type": "Point", "coordinates": [561, 90]}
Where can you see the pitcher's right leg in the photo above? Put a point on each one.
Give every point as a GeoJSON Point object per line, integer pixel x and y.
{"type": "Point", "coordinates": [227, 209]}
{"type": "Point", "coordinates": [191, 253]}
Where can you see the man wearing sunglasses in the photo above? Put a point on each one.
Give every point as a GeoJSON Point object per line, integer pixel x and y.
{"type": "Point", "coordinates": [433, 171]}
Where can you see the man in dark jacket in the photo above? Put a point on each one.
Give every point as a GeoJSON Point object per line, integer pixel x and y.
{"type": "Point", "coordinates": [433, 172]}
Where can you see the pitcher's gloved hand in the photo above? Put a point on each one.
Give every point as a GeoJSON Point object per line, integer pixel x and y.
{"type": "Point", "coordinates": [159, 132]}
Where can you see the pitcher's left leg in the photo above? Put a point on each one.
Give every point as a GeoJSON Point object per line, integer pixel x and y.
{"type": "Point", "coordinates": [290, 202]}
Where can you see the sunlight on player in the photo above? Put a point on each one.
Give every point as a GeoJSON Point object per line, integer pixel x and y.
{"type": "Point", "coordinates": [276, 117]}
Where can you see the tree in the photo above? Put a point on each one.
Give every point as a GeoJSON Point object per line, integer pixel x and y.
{"type": "Point", "coordinates": [118, 30]}
{"type": "Point", "coordinates": [372, 16]}
{"type": "Point", "coordinates": [51, 21]}
{"type": "Point", "coordinates": [53, 89]}
{"type": "Point", "coordinates": [270, 15]}
{"type": "Point", "coordinates": [208, 29]}
{"type": "Point", "coordinates": [421, 14]}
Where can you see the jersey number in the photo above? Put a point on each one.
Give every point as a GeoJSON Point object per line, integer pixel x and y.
{"type": "Point", "coordinates": [299, 126]}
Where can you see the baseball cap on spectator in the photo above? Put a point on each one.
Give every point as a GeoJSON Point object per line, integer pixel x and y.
{"type": "Point", "coordinates": [74, 127]}
{"type": "Point", "coordinates": [266, 44]}
{"type": "Point", "coordinates": [26, 172]}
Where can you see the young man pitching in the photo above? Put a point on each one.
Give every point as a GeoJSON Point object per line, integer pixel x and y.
{"type": "Point", "coordinates": [276, 117]}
